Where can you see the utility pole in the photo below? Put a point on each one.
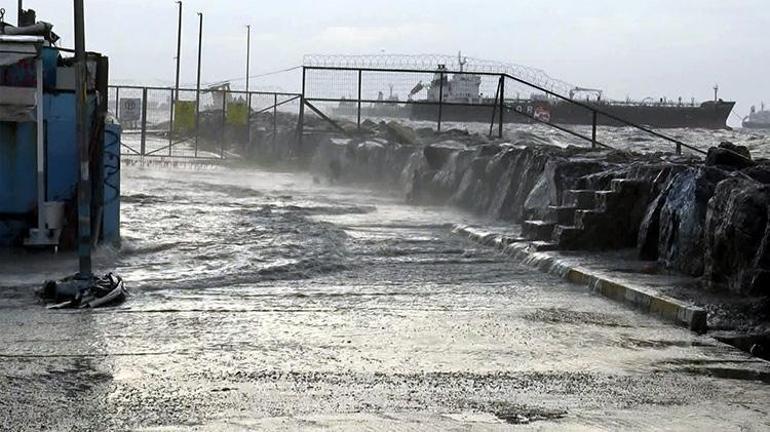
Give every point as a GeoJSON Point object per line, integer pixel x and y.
{"type": "Point", "coordinates": [198, 85]}
{"type": "Point", "coordinates": [248, 55]}
{"type": "Point", "coordinates": [21, 8]}
{"type": "Point", "coordinates": [84, 185]}
{"type": "Point", "coordinates": [178, 52]}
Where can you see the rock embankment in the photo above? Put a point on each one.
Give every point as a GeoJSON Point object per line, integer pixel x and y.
{"type": "Point", "coordinates": [707, 219]}
{"type": "Point", "coordinates": [711, 220]}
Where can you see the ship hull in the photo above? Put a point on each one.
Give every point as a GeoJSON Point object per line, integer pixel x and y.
{"type": "Point", "coordinates": [756, 125]}
{"type": "Point", "coordinates": [707, 116]}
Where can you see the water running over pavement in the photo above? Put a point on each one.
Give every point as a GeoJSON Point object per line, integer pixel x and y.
{"type": "Point", "coordinates": [264, 301]}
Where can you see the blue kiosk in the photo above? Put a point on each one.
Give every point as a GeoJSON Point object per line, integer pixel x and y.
{"type": "Point", "coordinates": [39, 153]}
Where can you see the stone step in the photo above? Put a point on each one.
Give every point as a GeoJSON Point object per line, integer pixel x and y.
{"type": "Point", "coordinates": [537, 229]}
{"type": "Point", "coordinates": [627, 185]}
{"type": "Point", "coordinates": [583, 199]}
{"type": "Point", "coordinates": [543, 246]}
{"type": "Point", "coordinates": [562, 215]}
{"type": "Point", "coordinates": [590, 218]}
{"type": "Point", "coordinates": [607, 200]}
{"type": "Point", "coordinates": [569, 237]}
{"type": "Point", "coordinates": [508, 240]}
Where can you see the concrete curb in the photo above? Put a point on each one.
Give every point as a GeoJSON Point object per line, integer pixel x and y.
{"type": "Point", "coordinates": [639, 297]}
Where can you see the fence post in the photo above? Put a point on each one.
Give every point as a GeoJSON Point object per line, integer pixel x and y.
{"type": "Point", "coordinates": [360, 73]}
{"type": "Point", "coordinates": [224, 125]}
{"type": "Point", "coordinates": [494, 107]}
{"type": "Point", "coordinates": [144, 122]}
{"type": "Point", "coordinates": [440, 99]}
{"type": "Point", "coordinates": [593, 131]}
{"type": "Point", "coordinates": [275, 118]}
{"type": "Point", "coordinates": [301, 124]}
{"type": "Point", "coordinates": [678, 148]}
{"type": "Point", "coordinates": [197, 120]}
{"type": "Point", "coordinates": [502, 106]}
{"type": "Point", "coordinates": [248, 120]}
{"type": "Point", "coordinates": [171, 124]}
{"type": "Point", "coordinates": [117, 103]}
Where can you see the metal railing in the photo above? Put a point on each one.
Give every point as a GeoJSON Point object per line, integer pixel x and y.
{"type": "Point", "coordinates": [352, 93]}
{"type": "Point", "coordinates": [215, 124]}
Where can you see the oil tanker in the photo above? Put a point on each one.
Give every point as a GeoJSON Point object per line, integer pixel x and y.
{"type": "Point", "coordinates": [757, 119]}
{"type": "Point", "coordinates": [462, 102]}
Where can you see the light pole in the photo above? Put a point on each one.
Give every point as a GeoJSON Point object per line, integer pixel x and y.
{"type": "Point", "coordinates": [84, 186]}
{"type": "Point", "coordinates": [198, 85]}
{"type": "Point", "coordinates": [178, 52]}
{"type": "Point", "coordinates": [248, 55]}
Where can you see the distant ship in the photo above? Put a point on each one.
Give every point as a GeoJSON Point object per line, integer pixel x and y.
{"type": "Point", "coordinates": [757, 119]}
{"type": "Point", "coordinates": [389, 107]}
{"type": "Point", "coordinates": [466, 104]}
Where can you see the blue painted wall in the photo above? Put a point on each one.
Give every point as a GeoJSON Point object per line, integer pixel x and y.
{"type": "Point", "coordinates": [62, 154]}
{"type": "Point", "coordinates": [111, 222]}
{"type": "Point", "coordinates": [18, 189]}
{"type": "Point", "coordinates": [18, 168]}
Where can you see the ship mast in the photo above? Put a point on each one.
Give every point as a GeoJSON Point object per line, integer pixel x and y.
{"type": "Point", "coordinates": [462, 61]}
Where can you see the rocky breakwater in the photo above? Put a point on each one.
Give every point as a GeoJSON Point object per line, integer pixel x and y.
{"type": "Point", "coordinates": [712, 221]}
{"type": "Point", "coordinates": [511, 180]}
{"type": "Point", "coordinates": [706, 219]}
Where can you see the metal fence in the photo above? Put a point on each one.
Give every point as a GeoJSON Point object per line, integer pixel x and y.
{"type": "Point", "coordinates": [212, 124]}
{"type": "Point", "coordinates": [221, 124]}
{"type": "Point", "coordinates": [442, 98]}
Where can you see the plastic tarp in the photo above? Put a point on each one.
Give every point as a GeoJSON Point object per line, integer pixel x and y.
{"type": "Point", "coordinates": [14, 49]}
{"type": "Point", "coordinates": [17, 104]}
{"type": "Point", "coordinates": [11, 54]}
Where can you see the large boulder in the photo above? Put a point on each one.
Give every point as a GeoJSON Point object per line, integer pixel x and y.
{"type": "Point", "coordinates": [472, 192]}
{"type": "Point", "coordinates": [736, 237]}
{"type": "Point", "coordinates": [729, 156]}
{"type": "Point", "coordinates": [566, 174]}
{"type": "Point", "coordinates": [649, 231]}
{"type": "Point", "coordinates": [401, 134]}
{"type": "Point", "coordinates": [437, 185]}
{"type": "Point", "coordinates": [659, 177]}
{"type": "Point", "coordinates": [437, 155]}
{"type": "Point", "coordinates": [681, 240]}
{"type": "Point", "coordinates": [760, 172]}
{"type": "Point", "coordinates": [517, 170]}
{"type": "Point", "coordinates": [560, 172]}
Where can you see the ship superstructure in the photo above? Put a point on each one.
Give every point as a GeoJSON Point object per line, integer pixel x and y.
{"type": "Point", "coordinates": [757, 119]}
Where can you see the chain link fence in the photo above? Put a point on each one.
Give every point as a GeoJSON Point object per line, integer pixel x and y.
{"type": "Point", "coordinates": [210, 124]}
{"type": "Point", "coordinates": [488, 102]}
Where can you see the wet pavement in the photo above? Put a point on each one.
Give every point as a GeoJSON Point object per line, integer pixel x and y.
{"type": "Point", "coordinates": [266, 301]}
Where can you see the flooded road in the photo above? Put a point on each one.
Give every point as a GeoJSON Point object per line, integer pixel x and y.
{"type": "Point", "coordinates": [266, 301]}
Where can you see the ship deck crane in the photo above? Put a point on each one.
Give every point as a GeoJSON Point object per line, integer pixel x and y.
{"type": "Point", "coordinates": [418, 88]}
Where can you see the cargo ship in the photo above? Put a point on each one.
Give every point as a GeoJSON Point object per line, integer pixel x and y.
{"type": "Point", "coordinates": [757, 119]}
{"type": "Point", "coordinates": [463, 102]}
{"type": "Point", "coordinates": [385, 107]}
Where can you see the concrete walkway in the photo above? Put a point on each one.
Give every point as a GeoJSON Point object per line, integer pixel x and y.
{"type": "Point", "coordinates": [262, 301]}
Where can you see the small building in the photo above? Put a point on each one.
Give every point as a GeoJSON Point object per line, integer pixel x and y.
{"type": "Point", "coordinates": [39, 153]}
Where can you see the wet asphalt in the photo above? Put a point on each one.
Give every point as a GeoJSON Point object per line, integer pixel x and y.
{"type": "Point", "coordinates": [270, 301]}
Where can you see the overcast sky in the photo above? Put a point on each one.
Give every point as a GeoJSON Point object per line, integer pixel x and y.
{"type": "Point", "coordinates": [631, 48]}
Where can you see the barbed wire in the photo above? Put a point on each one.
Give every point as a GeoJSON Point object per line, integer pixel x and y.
{"type": "Point", "coordinates": [431, 61]}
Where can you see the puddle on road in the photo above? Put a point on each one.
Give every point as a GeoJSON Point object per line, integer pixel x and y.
{"type": "Point", "coordinates": [728, 373]}
{"type": "Point", "coordinates": [568, 316]}
{"type": "Point", "coordinates": [634, 343]}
